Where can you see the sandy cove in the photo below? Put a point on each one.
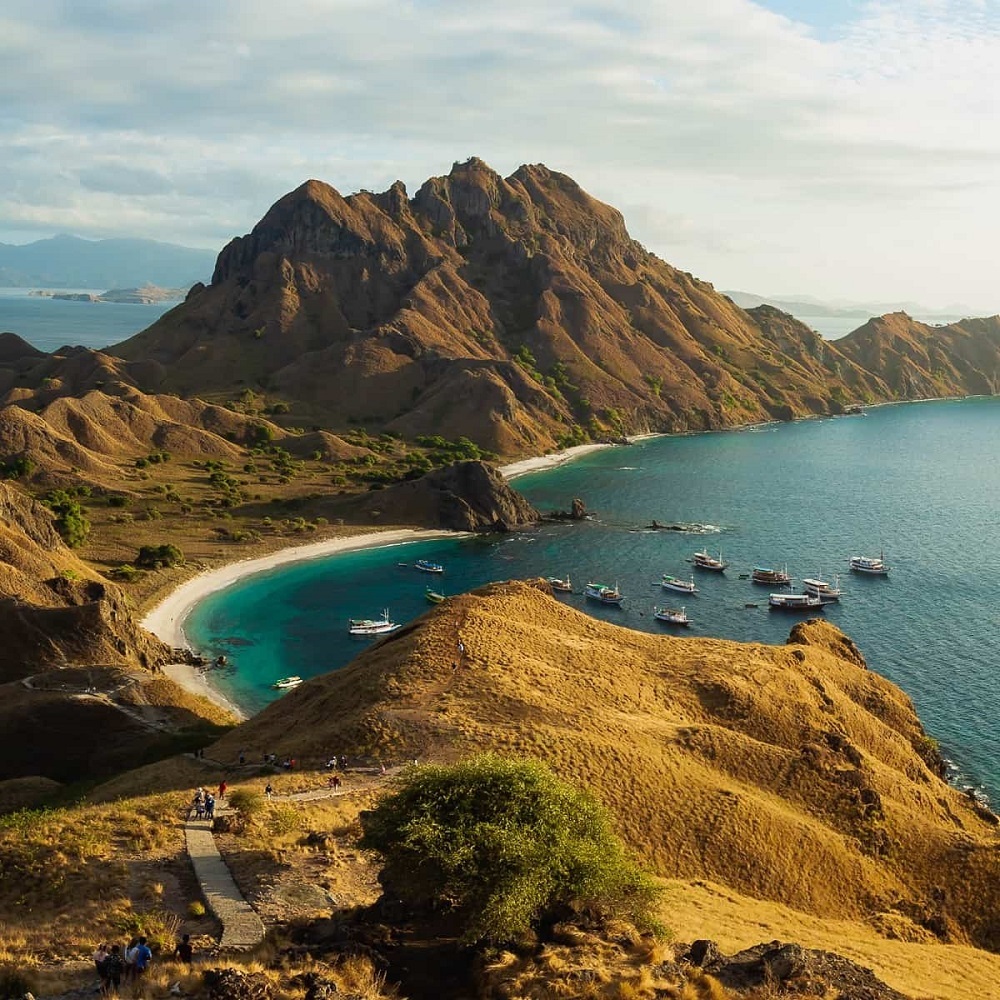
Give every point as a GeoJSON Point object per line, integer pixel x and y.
{"type": "Point", "coordinates": [166, 619]}
{"type": "Point", "coordinates": [557, 458]}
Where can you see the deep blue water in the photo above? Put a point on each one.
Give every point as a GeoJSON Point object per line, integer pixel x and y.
{"type": "Point", "coordinates": [49, 324]}
{"type": "Point", "coordinates": [919, 480]}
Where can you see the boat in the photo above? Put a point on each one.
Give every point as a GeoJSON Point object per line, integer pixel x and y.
{"type": "Point", "coordinates": [681, 586]}
{"type": "Point", "coordinates": [282, 683]}
{"type": "Point", "coordinates": [372, 626]}
{"type": "Point", "coordinates": [672, 616]}
{"type": "Point", "coordinates": [771, 577]}
{"type": "Point", "coordinates": [820, 588]}
{"type": "Point", "coordinates": [795, 602]}
{"type": "Point", "coordinates": [603, 593]}
{"type": "Point", "coordinates": [562, 585]}
{"type": "Point", "coordinates": [702, 560]}
{"type": "Point", "coordinates": [426, 566]}
{"type": "Point", "coordinates": [870, 564]}
{"type": "Point", "coordinates": [433, 596]}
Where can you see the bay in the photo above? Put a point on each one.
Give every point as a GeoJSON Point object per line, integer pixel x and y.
{"type": "Point", "coordinates": [49, 324]}
{"type": "Point", "coordinates": [917, 480]}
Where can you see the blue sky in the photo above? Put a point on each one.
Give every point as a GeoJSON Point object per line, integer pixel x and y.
{"type": "Point", "coordinates": [844, 149]}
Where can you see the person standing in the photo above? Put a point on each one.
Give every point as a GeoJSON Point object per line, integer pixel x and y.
{"type": "Point", "coordinates": [141, 959]}
{"type": "Point", "coordinates": [114, 969]}
{"type": "Point", "coordinates": [209, 806]}
{"type": "Point", "coordinates": [100, 958]}
{"type": "Point", "coordinates": [222, 788]}
{"type": "Point", "coordinates": [184, 952]}
{"type": "Point", "coordinates": [268, 791]}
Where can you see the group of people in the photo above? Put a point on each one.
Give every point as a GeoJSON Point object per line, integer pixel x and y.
{"type": "Point", "coordinates": [116, 966]}
{"type": "Point", "coordinates": [204, 804]}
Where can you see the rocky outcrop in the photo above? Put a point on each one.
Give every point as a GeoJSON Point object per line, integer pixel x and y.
{"type": "Point", "coordinates": [466, 496]}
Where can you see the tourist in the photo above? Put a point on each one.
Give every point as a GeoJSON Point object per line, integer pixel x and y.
{"type": "Point", "coordinates": [100, 958]}
{"type": "Point", "coordinates": [114, 970]}
{"type": "Point", "coordinates": [222, 788]}
{"type": "Point", "coordinates": [268, 791]}
{"type": "Point", "coordinates": [184, 952]}
{"type": "Point", "coordinates": [130, 948]}
{"type": "Point", "coordinates": [141, 959]}
{"type": "Point", "coordinates": [209, 806]}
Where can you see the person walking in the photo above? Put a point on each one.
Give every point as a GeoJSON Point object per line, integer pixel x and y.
{"type": "Point", "coordinates": [209, 806]}
{"type": "Point", "coordinates": [184, 952]}
{"type": "Point", "coordinates": [114, 969]}
{"type": "Point", "coordinates": [100, 958]}
{"type": "Point", "coordinates": [222, 788]}
{"type": "Point", "coordinates": [141, 959]}
{"type": "Point", "coordinates": [268, 791]}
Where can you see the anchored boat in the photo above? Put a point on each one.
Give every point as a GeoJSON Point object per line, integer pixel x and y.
{"type": "Point", "coordinates": [870, 565]}
{"type": "Point", "coordinates": [426, 566]}
{"type": "Point", "coordinates": [681, 586]}
{"type": "Point", "coordinates": [603, 593]}
{"type": "Point", "coordinates": [771, 577]}
{"type": "Point", "coordinates": [702, 560]}
{"type": "Point", "coordinates": [365, 627]}
{"type": "Point", "coordinates": [795, 602]}
{"type": "Point", "coordinates": [282, 683]}
{"type": "Point", "coordinates": [562, 585]}
{"type": "Point", "coordinates": [822, 589]}
{"type": "Point", "coordinates": [671, 616]}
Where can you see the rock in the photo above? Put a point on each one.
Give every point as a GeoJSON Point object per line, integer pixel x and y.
{"type": "Point", "coordinates": [702, 953]}
{"type": "Point", "coordinates": [577, 510]}
{"type": "Point", "coordinates": [317, 986]}
{"type": "Point", "coordinates": [231, 984]}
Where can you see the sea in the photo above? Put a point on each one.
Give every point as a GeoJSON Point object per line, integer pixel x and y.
{"type": "Point", "coordinates": [915, 481]}
{"type": "Point", "coordinates": [49, 324]}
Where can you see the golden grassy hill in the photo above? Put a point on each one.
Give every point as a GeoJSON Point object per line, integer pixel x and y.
{"type": "Point", "coordinates": [789, 773]}
{"type": "Point", "coordinates": [516, 311]}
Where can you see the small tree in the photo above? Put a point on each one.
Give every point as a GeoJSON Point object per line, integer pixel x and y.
{"type": "Point", "coordinates": [504, 844]}
{"type": "Point", "coordinates": [155, 556]}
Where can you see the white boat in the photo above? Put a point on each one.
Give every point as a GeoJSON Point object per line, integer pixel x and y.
{"type": "Point", "coordinates": [795, 602]}
{"type": "Point", "coordinates": [562, 585]}
{"type": "Point", "coordinates": [372, 626]}
{"type": "Point", "coordinates": [672, 616]}
{"type": "Point", "coordinates": [702, 560]}
{"type": "Point", "coordinates": [603, 593]}
{"type": "Point", "coordinates": [870, 564]}
{"type": "Point", "coordinates": [287, 682]}
{"type": "Point", "coordinates": [426, 566]}
{"type": "Point", "coordinates": [822, 589]}
{"type": "Point", "coordinates": [772, 577]}
{"type": "Point", "coordinates": [681, 586]}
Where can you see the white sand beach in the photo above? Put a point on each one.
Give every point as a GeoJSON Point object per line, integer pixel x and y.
{"type": "Point", "coordinates": [166, 620]}
{"type": "Point", "coordinates": [557, 458]}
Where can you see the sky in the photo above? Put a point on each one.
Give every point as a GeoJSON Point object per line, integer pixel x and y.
{"type": "Point", "coordinates": [845, 149]}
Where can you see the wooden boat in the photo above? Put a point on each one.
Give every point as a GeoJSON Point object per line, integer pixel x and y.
{"type": "Point", "coordinates": [671, 616]}
{"type": "Point", "coordinates": [869, 564]}
{"type": "Point", "coordinates": [771, 577]}
{"type": "Point", "coordinates": [434, 597]}
{"type": "Point", "coordinates": [795, 602]}
{"type": "Point", "coordinates": [822, 589]}
{"type": "Point", "coordinates": [702, 560]}
{"type": "Point", "coordinates": [564, 586]}
{"type": "Point", "coordinates": [283, 683]}
{"type": "Point", "coordinates": [372, 626]}
{"type": "Point", "coordinates": [681, 586]}
{"type": "Point", "coordinates": [603, 593]}
{"type": "Point", "coordinates": [426, 566]}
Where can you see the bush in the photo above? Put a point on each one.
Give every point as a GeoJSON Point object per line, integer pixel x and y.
{"type": "Point", "coordinates": [157, 556]}
{"type": "Point", "coordinates": [70, 520]}
{"type": "Point", "coordinates": [506, 845]}
{"type": "Point", "coordinates": [247, 805]}
{"type": "Point", "coordinates": [196, 909]}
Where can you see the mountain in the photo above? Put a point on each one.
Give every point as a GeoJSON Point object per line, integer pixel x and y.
{"type": "Point", "coordinates": [518, 312]}
{"type": "Point", "coordinates": [787, 773]}
{"type": "Point", "coordinates": [70, 262]}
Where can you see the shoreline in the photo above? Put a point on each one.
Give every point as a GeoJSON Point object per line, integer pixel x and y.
{"type": "Point", "coordinates": [550, 461]}
{"type": "Point", "coordinates": [166, 619]}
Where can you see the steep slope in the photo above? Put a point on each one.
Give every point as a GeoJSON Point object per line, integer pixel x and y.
{"type": "Point", "coordinates": [788, 773]}
{"type": "Point", "coordinates": [518, 312]}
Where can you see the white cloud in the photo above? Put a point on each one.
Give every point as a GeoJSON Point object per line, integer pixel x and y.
{"type": "Point", "coordinates": [860, 164]}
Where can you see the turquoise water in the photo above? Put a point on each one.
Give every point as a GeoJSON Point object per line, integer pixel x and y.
{"type": "Point", "coordinates": [919, 480]}
{"type": "Point", "coordinates": [49, 324]}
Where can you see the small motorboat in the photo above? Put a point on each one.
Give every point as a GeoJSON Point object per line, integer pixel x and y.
{"type": "Point", "coordinates": [365, 627]}
{"type": "Point", "coordinates": [702, 560]}
{"type": "Point", "coordinates": [795, 602]}
{"type": "Point", "coordinates": [562, 585]}
{"type": "Point", "coordinates": [771, 577]}
{"type": "Point", "coordinates": [434, 597]}
{"type": "Point", "coordinates": [671, 616]}
{"type": "Point", "coordinates": [426, 566]}
{"type": "Point", "coordinates": [283, 683]}
{"type": "Point", "coordinates": [869, 564]}
{"type": "Point", "coordinates": [603, 593]}
{"type": "Point", "coordinates": [822, 589]}
{"type": "Point", "coordinates": [681, 586]}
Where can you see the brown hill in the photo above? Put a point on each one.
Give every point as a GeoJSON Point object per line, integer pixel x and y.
{"type": "Point", "coordinates": [518, 312]}
{"type": "Point", "coordinates": [917, 361]}
{"type": "Point", "coordinates": [787, 773]}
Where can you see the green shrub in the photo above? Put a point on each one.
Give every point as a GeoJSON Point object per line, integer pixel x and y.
{"type": "Point", "coordinates": [70, 520]}
{"type": "Point", "coordinates": [247, 804]}
{"type": "Point", "coordinates": [157, 556]}
{"type": "Point", "coordinates": [196, 909]}
{"type": "Point", "coordinates": [506, 845]}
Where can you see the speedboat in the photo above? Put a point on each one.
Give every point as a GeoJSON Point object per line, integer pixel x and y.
{"type": "Point", "coordinates": [869, 564]}
{"type": "Point", "coordinates": [603, 593]}
{"type": "Point", "coordinates": [433, 596]}
{"type": "Point", "coordinates": [671, 616]}
{"type": "Point", "coordinates": [562, 585]}
{"type": "Point", "coordinates": [282, 683]}
{"type": "Point", "coordinates": [681, 586]}
{"type": "Point", "coordinates": [702, 560]}
{"type": "Point", "coordinates": [771, 577]}
{"type": "Point", "coordinates": [822, 589]}
{"type": "Point", "coordinates": [795, 602]}
{"type": "Point", "coordinates": [365, 627]}
{"type": "Point", "coordinates": [426, 566]}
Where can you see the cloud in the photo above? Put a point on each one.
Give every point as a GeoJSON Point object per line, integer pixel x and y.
{"type": "Point", "coordinates": [772, 139]}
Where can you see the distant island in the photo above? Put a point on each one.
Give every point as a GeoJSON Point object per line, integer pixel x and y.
{"type": "Point", "coordinates": [146, 295]}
